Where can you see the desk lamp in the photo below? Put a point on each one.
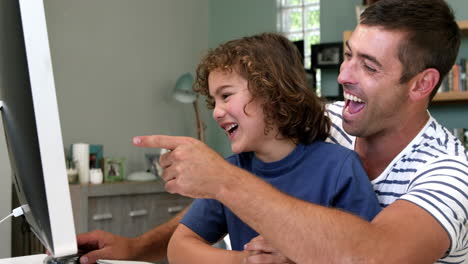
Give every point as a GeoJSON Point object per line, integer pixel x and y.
{"type": "Point", "coordinates": [183, 93]}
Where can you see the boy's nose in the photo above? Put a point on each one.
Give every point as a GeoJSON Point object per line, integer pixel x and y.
{"type": "Point", "coordinates": [218, 113]}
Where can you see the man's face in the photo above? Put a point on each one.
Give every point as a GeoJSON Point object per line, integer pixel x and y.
{"type": "Point", "coordinates": [370, 74]}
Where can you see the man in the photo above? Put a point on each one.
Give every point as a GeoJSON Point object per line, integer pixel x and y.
{"type": "Point", "coordinates": [394, 62]}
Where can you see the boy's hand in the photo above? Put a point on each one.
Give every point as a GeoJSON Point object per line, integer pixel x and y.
{"type": "Point", "coordinates": [261, 252]}
{"type": "Point", "coordinates": [104, 245]}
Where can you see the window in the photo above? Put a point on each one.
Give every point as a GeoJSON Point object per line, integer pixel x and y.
{"type": "Point", "coordinates": [300, 20]}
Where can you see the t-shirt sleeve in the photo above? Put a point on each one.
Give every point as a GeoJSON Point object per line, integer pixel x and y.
{"type": "Point", "coordinates": [441, 188]}
{"type": "Point", "coordinates": [206, 218]}
{"type": "Point", "coordinates": [354, 192]}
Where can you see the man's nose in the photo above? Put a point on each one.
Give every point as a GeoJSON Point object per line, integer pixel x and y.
{"type": "Point", "coordinates": [346, 75]}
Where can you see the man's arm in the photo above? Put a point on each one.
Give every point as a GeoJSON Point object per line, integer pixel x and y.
{"type": "Point", "coordinates": [306, 233]}
{"type": "Point", "coordinates": [187, 247]}
{"type": "Point", "coordinates": [151, 246]}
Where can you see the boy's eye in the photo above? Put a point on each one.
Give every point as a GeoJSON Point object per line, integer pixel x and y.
{"type": "Point", "coordinates": [225, 96]}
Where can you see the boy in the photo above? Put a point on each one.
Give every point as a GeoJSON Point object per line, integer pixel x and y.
{"type": "Point", "coordinates": [276, 126]}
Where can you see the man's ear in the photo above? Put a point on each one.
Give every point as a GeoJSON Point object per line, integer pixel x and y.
{"type": "Point", "coordinates": [424, 84]}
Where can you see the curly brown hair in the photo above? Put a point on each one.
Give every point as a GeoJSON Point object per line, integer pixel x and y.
{"type": "Point", "coordinates": [273, 68]}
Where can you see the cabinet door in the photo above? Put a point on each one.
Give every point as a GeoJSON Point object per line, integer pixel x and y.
{"type": "Point", "coordinates": [105, 213]}
{"type": "Point", "coordinates": [167, 206]}
{"type": "Point", "coordinates": [146, 211]}
{"type": "Point", "coordinates": [136, 218]}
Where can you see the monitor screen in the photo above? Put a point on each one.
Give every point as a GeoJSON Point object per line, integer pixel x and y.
{"type": "Point", "coordinates": [32, 126]}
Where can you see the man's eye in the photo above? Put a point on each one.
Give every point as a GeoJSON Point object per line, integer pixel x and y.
{"type": "Point", "coordinates": [347, 55]}
{"type": "Point", "coordinates": [369, 69]}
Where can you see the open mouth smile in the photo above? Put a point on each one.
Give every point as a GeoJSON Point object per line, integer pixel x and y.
{"type": "Point", "coordinates": [353, 104]}
{"type": "Point", "coordinates": [230, 128]}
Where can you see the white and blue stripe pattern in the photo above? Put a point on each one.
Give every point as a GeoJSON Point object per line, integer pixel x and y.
{"type": "Point", "coordinates": [431, 172]}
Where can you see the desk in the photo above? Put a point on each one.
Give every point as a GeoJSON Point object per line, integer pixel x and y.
{"type": "Point", "coordinates": [38, 259]}
{"type": "Point", "coordinates": [32, 259]}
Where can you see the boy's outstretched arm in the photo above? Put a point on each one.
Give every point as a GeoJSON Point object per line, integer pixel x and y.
{"type": "Point", "coordinates": [186, 247]}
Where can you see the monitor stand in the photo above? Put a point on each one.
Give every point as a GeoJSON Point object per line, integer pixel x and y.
{"type": "Point", "coordinates": [72, 259]}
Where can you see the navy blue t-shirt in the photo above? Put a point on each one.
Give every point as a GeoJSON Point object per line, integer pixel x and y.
{"type": "Point", "coordinates": [321, 173]}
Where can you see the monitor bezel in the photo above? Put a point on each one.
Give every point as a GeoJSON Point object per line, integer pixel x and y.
{"type": "Point", "coordinates": [62, 238]}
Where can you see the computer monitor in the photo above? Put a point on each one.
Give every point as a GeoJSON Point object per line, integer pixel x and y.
{"type": "Point", "coordinates": [32, 126]}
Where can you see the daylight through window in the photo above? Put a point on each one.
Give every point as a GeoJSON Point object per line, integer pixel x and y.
{"type": "Point", "coordinates": [300, 20]}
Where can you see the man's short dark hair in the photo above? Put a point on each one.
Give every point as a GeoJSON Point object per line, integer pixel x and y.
{"type": "Point", "coordinates": [433, 36]}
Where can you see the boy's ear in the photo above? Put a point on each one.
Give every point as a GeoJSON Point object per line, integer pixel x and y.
{"type": "Point", "coordinates": [424, 84]}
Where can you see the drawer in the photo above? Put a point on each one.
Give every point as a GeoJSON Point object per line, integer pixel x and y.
{"type": "Point", "coordinates": [132, 215]}
{"type": "Point", "coordinates": [105, 213]}
{"type": "Point", "coordinates": [146, 211]}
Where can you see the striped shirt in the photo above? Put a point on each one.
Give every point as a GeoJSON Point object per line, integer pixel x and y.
{"type": "Point", "coordinates": [431, 172]}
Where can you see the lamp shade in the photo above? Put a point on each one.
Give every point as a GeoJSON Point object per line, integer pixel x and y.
{"type": "Point", "coordinates": [183, 89]}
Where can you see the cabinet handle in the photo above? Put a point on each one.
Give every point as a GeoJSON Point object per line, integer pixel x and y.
{"type": "Point", "coordinates": [136, 213]}
{"type": "Point", "coordinates": [101, 217]}
{"type": "Point", "coordinates": [175, 209]}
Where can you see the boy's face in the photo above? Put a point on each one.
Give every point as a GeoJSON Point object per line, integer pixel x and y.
{"type": "Point", "coordinates": [241, 118]}
{"type": "Point", "coordinates": [375, 101]}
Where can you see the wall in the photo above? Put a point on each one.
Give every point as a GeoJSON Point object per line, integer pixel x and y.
{"type": "Point", "coordinates": [334, 19]}
{"type": "Point", "coordinates": [115, 64]}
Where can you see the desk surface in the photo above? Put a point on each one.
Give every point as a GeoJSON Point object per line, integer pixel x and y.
{"type": "Point", "coordinates": [38, 259]}
{"type": "Point", "coordinates": [32, 259]}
